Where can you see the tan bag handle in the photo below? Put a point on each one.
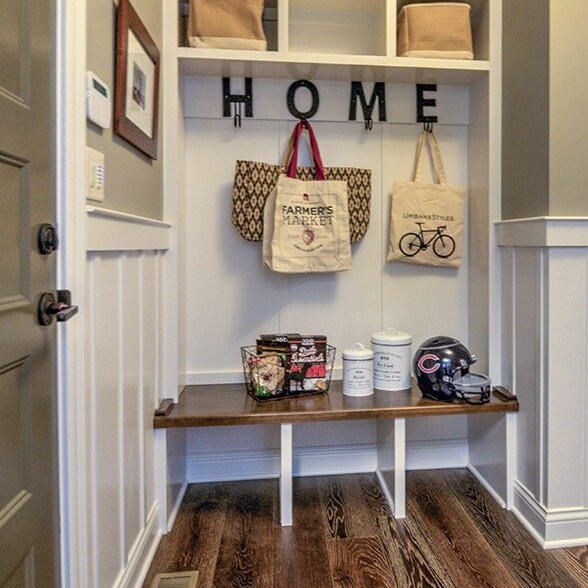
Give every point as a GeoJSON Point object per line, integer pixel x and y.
{"type": "Point", "coordinates": [429, 137]}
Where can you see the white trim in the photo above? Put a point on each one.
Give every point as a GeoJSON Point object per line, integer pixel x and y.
{"type": "Point", "coordinates": [551, 528]}
{"type": "Point", "coordinates": [486, 484]}
{"type": "Point", "coordinates": [109, 230]}
{"type": "Point", "coordinates": [141, 553]}
{"type": "Point", "coordinates": [432, 455]}
{"type": "Point", "coordinates": [286, 491]}
{"type": "Point", "coordinates": [545, 231]}
{"type": "Point", "coordinates": [349, 459]}
{"type": "Point", "coordinates": [71, 260]}
{"type": "Point", "coordinates": [160, 475]}
{"type": "Point", "coordinates": [222, 466]}
{"type": "Point", "coordinates": [391, 468]}
{"type": "Point", "coordinates": [177, 504]}
{"type": "Point", "coordinates": [125, 216]}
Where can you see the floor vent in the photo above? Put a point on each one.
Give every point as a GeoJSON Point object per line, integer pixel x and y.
{"type": "Point", "coordinates": [175, 580]}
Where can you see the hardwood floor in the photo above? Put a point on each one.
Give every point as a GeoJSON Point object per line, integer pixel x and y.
{"type": "Point", "coordinates": [454, 536]}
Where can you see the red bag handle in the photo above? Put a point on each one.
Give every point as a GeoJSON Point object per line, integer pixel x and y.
{"type": "Point", "coordinates": [319, 170]}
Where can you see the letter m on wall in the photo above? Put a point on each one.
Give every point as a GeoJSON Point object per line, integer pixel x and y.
{"type": "Point", "coordinates": [379, 94]}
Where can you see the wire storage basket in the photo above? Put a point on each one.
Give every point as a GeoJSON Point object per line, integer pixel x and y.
{"type": "Point", "coordinates": [270, 376]}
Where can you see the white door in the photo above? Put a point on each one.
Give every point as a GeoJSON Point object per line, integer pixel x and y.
{"type": "Point", "coordinates": [28, 420]}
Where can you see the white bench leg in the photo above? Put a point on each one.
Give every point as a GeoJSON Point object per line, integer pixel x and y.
{"type": "Point", "coordinates": [286, 475]}
{"type": "Point", "coordinates": [392, 463]}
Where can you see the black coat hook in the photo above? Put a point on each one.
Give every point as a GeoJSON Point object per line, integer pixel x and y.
{"type": "Point", "coordinates": [237, 110]}
{"type": "Point", "coordinates": [369, 123]}
{"type": "Point", "coordinates": [428, 127]}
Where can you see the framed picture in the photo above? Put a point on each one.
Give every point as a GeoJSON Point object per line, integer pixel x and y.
{"type": "Point", "coordinates": [136, 82]}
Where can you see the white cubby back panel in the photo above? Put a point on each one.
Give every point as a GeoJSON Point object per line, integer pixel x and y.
{"type": "Point", "coordinates": [231, 297]}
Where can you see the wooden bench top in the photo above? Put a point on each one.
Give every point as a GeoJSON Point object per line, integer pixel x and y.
{"type": "Point", "coordinates": [229, 404]}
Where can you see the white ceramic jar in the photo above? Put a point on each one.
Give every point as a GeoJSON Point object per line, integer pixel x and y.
{"type": "Point", "coordinates": [358, 375]}
{"type": "Point", "coordinates": [392, 353]}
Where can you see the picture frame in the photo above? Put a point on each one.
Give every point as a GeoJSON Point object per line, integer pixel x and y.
{"type": "Point", "coordinates": [136, 82]}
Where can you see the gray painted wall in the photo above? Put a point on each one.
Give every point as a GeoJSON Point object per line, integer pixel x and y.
{"type": "Point", "coordinates": [569, 108]}
{"type": "Point", "coordinates": [545, 93]}
{"type": "Point", "coordinates": [133, 182]}
{"type": "Point", "coordinates": [525, 107]}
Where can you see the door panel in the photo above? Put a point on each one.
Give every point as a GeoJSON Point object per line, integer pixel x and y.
{"type": "Point", "coordinates": [13, 208]}
{"type": "Point", "coordinates": [28, 439]}
{"type": "Point", "coordinates": [15, 69]}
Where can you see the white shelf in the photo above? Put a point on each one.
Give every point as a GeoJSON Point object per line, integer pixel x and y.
{"type": "Point", "coordinates": [340, 40]}
{"type": "Point", "coordinates": [273, 64]}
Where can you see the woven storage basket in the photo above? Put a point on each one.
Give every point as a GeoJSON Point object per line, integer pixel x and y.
{"type": "Point", "coordinates": [439, 29]}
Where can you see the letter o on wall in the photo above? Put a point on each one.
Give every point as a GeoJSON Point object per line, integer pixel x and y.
{"type": "Point", "coordinates": [292, 96]}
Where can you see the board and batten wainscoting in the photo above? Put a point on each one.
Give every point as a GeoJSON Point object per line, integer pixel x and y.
{"type": "Point", "coordinates": [545, 298]}
{"type": "Point", "coordinates": [123, 306]}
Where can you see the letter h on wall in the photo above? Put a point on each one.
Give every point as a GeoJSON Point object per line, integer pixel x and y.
{"type": "Point", "coordinates": [237, 100]}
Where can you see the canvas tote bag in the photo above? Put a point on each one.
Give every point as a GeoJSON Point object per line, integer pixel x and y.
{"type": "Point", "coordinates": [254, 181]}
{"type": "Point", "coordinates": [427, 219]}
{"type": "Point", "coordinates": [306, 222]}
{"type": "Point", "coordinates": [227, 24]}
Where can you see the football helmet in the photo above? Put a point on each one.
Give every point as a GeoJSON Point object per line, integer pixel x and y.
{"type": "Point", "coordinates": [441, 366]}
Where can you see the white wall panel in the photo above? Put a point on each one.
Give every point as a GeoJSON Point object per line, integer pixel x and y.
{"type": "Point", "coordinates": [528, 361]}
{"type": "Point", "coordinates": [567, 367]}
{"type": "Point", "coordinates": [231, 297]}
{"type": "Point", "coordinates": [548, 327]}
{"type": "Point", "coordinates": [131, 418]}
{"type": "Point", "coordinates": [151, 293]}
{"type": "Point", "coordinates": [124, 301]}
{"type": "Point", "coordinates": [106, 439]}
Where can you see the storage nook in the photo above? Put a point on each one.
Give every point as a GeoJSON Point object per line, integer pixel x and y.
{"type": "Point", "coordinates": [227, 297]}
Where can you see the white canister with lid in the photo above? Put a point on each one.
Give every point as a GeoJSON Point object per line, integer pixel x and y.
{"type": "Point", "coordinates": [358, 374]}
{"type": "Point", "coordinates": [392, 353]}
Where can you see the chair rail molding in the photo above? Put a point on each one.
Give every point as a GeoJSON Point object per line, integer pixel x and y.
{"type": "Point", "coordinates": [543, 231]}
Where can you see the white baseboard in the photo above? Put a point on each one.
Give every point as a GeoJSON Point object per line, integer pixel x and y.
{"type": "Point", "coordinates": [486, 485]}
{"type": "Point", "coordinates": [319, 461]}
{"type": "Point", "coordinates": [141, 554]}
{"type": "Point", "coordinates": [179, 498]}
{"type": "Point", "coordinates": [551, 528]}
{"type": "Point", "coordinates": [434, 455]}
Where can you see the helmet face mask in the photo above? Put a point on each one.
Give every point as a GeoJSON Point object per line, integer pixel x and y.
{"type": "Point", "coordinates": [442, 368]}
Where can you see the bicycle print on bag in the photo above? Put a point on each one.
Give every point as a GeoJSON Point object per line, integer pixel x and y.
{"type": "Point", "coordinates": [443, 245]}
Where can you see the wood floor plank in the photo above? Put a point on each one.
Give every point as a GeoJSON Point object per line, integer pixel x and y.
{"type": "Point", "coordinates": [454, 537]}
{"type": "Point", "coordinates": [360, 563]}
{"type": "Point", "coordinates": [194, 542]}
{"type": "Point", "coordinates": [301, 550]}
{"type": "Point", "coordinates": [245, 556]}
{"type": "Point", "coordinates": [346, 512]}
{"type": "Point", "coordinates": [414, 563]}
{"type": "Point", "coordinates": [575, 560]}
{"type": "Point", "coordinates": [519, 552]}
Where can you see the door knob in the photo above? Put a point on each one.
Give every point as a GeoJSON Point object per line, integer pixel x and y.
{"type": "Point", "coordinates": [55, 306]}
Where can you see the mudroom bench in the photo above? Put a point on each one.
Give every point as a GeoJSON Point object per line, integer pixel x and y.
{"type": "Point", "coordinates": [229, 404]}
